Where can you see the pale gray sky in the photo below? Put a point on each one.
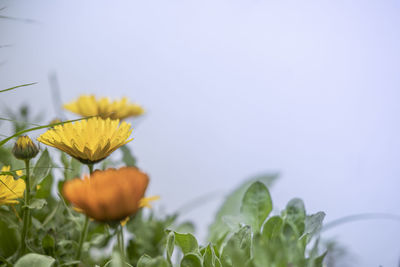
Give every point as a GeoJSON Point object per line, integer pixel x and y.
{"type": "Point", "coordinates": [234, 88]}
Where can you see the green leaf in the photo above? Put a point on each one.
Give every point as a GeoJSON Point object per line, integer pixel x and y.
{"type": "Point", "coordinates": [231, 205]}
{"type": "Point", "coordinates": [210, 258]}
{"type": "Point", "coordinates": [37, 260]}
{"type": "Point", "coordinates": [191, 260]}
{"type": "Point", "coordinates": [15, 87]}
{"type": "Point", "coordinates": [127, 156]}
{"type": "Point", "coordinates": [147, 261]}
{"type": "Point", "coordinates": [256, 205]}
{"type": "Point", "coordinates": [37, 203]}
{"type": "Point", "coordinates": [170, 245]}
{"type": "Point", "coordinates": [295, 213]}
{"type": "Point", "coordinates": [9, 238]}
{"type": "Point", "coordinates": [313, 224]}
{"type": "Point", "coordinates": [41, 169]}
{"type": "Point", "coordinates": [272, 228]}
{"type": "Point", "coordinates": [187, 243]}
{"type": "Point", "coordinates": [236, 252]}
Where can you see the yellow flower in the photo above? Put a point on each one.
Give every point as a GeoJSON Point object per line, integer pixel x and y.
{"type": "Point", "coordinates": [10, 189]}
{"type": "Point", "coordinates": [110, 195]}
{"type": "Point", "coordinates": [88, 105]}
{"type": "Point", "coordinates": [89, 141]}
{"type": "Point", "coordinates": [24, 148]}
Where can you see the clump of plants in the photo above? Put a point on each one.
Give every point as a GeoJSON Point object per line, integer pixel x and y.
{"type": "Point", "coordinates": [75, 206]}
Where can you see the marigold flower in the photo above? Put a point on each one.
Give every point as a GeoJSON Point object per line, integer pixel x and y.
{"type": "Point", "coordinates": [108, 196]}
{"type": "Point", "coordinates": [88, 105]}
{"type": "Point", "coordinates": [10, 189]}
{"type": "Point", "coordinates": [89, 141]}
{"type": "Point", "coordinates": [24, 148]}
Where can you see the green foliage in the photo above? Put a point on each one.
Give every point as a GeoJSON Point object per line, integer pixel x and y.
{"type": "Point", "coordinates": [244, 233]}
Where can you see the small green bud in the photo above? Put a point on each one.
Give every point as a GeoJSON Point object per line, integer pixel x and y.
{"type": "Point", "coordinates": [24, 148]}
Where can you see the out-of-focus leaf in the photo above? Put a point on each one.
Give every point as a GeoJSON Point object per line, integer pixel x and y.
{"type": "Point", "coordinates": [236, 252]}
{"type": "Point", "coordinates": [41, 169]}
{"type": "Point", "coordinates": [37, 203]}
{"type": "Point", "coordinates": [170, 245]}
{"type": "Point", "coordinates": [295, 213]}
{"type": "Point", "coordinates": [210, 258]}
{"type": "Point", "coordinates": [9, 239]}
{"type": "Point", "coordinates": [231, 205]}
{"type": "Point", "coordinates": [147, 261]}
{"type": "Point", "coordinates": [33, 259]}
{"type": "Point", "coordinates": [127, 156]}
{"type": "Point", "coordinates": [313, 224]}
{"type": "Point", "coordinates": [256, 205]}
{"type": "Point", "coordinates": [272, 228]}
{"type": "Point", "coordinates": [191, 260]}
{"type": "Point", "coordinates": [187, 243]}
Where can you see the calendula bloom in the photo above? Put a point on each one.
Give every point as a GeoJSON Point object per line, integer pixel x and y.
{"type": "Point", "coordinates": [89, 141]}
{"type": "Point", "coordinates": [108, 196]}
{"type": "Point", "coordinates": [10, 189]}
{"type": "Point", "coordinates": [24, 148]}
{"type": "Point", "coordinates": [88, 105]}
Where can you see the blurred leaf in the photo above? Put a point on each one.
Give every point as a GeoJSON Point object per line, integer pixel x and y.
{"type": "Point", "coordinates": [236, 252]}
{"type": "Point", "coordinates": [147, 261]}
{"type": "Point", "coordinates": [210, 258]}
{"type": "Point", "coordinates": [272, 228]}
{"type": "Point", "coordinates": [256, 205]}
{"type": "Point", "coordinates": [170, 245]}
{"type": "Point", "coordinates": [313, 224]}
{"type": "Point", "coordinates": [187, 243]}
{"type": "Point", "coordinates": [191, 260]}
{"type": "Point", "coordinates": [9, 238]}
{"type": "Point", "coordinates": [37, 203]}
{"type": "Point", "coordinates": [127, 156]}
{"type": "Point", "coordinates": [41, 169]}
{"type": "Point", "coordinates": [36, 260]}
{"type": "Point", "coordinates": [295, 213]}
{"type": "Point", "coordinates": [232, 203]}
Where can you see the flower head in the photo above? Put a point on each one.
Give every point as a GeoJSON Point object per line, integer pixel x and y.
{"type": "Point", "coordinates": [109, 195]}
{"type": "Point", "coordinates": [89, 141]}
{"type": "Point", "coordinates": [24, 148]}
{"type": "Point", "coordinates": [10, 189]}
{"type": "Point", "coordinates": [88, 105]}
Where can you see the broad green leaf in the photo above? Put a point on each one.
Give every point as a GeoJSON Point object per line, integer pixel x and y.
{"type": "Point", "coordinates": [37, 260]}
{"type": "Point", "coordinates": [210, 258]}
{"type": "Point", "coordinates": [41, 169]}
{"type": "Point", "coordinates": [256, 205]}
{"type": "Point", "coordinates": [295, 213]}
{"type": "Point", "coordinates": [147, 261]}
{"type": "Point", "coordinates": [191, 260]}
{"type": "Point", "coordinates": [231, 205]}
{"type": "Point", "coordinates": [313, 224]}
{"type": "Point", "coordinates": [187, 243]}
{"type": "Point", "coordinates": [236, 252]}
{"type": "Point", "coordinates": [272, 228]}
{"type": "Point", "coordinates": [127, 156]}
{"type": "Point", "coordinates": [9, 238]}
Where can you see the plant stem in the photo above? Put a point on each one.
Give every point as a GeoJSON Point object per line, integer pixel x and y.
{"type": "Point", "coordinates": [82, 238]}
{"type": "Point", "coordinates": [26, 210]}
{"type": "Point", "coordinates": [84, 229]}
{"type": "Point", "coordinates": [120, 242]}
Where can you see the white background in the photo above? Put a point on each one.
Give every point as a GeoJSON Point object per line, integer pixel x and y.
{"type": "Point", "coordinates": [235, 88]}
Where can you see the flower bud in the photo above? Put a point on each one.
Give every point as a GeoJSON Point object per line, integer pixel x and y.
{"type": "Point", "coordinates": [24, 148]}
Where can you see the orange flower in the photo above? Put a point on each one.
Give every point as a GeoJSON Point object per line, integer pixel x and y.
{"type": "Point", "coordinates": [109, 195]}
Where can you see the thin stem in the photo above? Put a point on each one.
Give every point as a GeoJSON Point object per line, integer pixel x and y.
{"type": "Point", "coordinates": [82, 238]}
{"type": "Point", "coordinates": [85, 227]}
{"type": "Point", "coordinates": [26, 210]}
{"type": "Point", "coordinates": [120, 242]}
